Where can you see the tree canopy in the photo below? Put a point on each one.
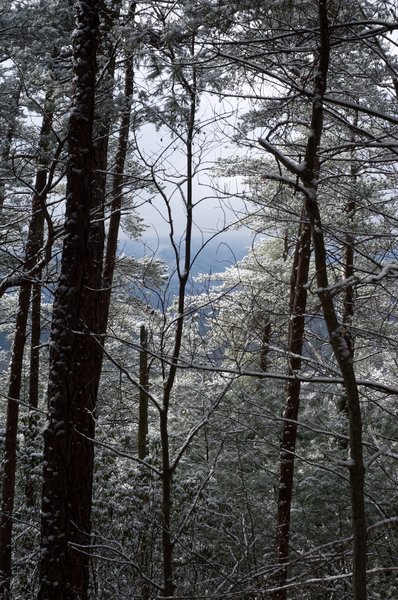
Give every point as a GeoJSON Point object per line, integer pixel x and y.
{"type": "Point", "coordinates": [175, 425]}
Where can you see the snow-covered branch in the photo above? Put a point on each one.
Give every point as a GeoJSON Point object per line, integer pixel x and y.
{"type": "Point", "coordinates": [292, 166]}
{"type": "Point", "coordinates": [388, 270]}
{"type": "Point", "coordinates": [380, 452]}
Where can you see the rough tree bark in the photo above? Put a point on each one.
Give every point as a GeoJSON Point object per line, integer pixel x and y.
{"type": "Point", "coordinates": [74, 349]}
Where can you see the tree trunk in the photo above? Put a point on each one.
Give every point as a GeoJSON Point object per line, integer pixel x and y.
{"type": "Point", "coordinates": [143, 400]}
{"type": "Point", "coordinates": [74, 350]}
{"type": "Point", "coordinates": [167, 544]}
{"type": "Point", "coordinates": [337, 336]}
{"type": "Point", "coordinates": [337, 333]}
{"type": "Point", "coordinates": [117, 192]}
{"type": "Point", "coordinates": [38, 237]}
{"type": "Point", "coordinates": [35, 349]}
{"type": "Point", "coordinates": [298, 302]}
{"type": "Point", "coordinates": [142, 444]}
{"type": "Point", "coordinates": [183, 274]}
{"type": "Point", "coordinates": [349, 248]}
{"type": "Point", "coordinates": [34, 244]}
{"type": "Point", "coordinates": [9, 472]}
{"type": "Point", "coordinates": [310, 178]}
{"type": "Point", "coordinates": [341, 350]}
{"type": "Point", "coordinates": [30, 488]}
{"type": "Point", "coordinates": [349, 292]}
{"type": "Point", "coordinates": [265, 341]}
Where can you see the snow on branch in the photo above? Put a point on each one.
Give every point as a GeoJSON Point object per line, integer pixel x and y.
{"type": "Point", "coordinates": [285, 180]}
{"type": "Point", "coordinates": [389, 269]}
{"type": "Point", "coordinates": [329, 578]}
{"type": "Point", "coordinates": [291, 165]}
{"type": "Point", "coordinates": [380, 452]}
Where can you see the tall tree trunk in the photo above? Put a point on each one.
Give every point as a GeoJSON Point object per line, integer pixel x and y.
{"type": "Point", "coordinates": [142, 444]}
{"type": "Point", "coordinates": [338, 338]}
{"type": "Point", "coordinates": [348, 263]}
{"type": "Point", "coordinates": [34, 369]}
{"type": "Point", "coordinates": [298, 302]}
{"type": "Point", "coordinates": [9, 472]}
{"type": "Point", "coordinates": [103, 116]}
{"type": "Point", "coordinates": [337, 332]}
{"type": "Point", "coordinates": [349, 248]}
{"type": "Point", "coordinates": [101, 155]}
{"type": "Point", "coordinates": [34, 244]}
{"type": "Point", "coordinates": [183, 272]}
{"type": "Point", "coordinates": [143, 400]}
{"type": "Point", "coordinates": [341, 349]}
{"type": "Point", "coordinates": [35, 337]}
{"type": "Point", "coordinates": [74, 350]}
{"type": "Point", "coordinates": [40, 199]}
{"type": "Point", "coordinates": [117, 189]}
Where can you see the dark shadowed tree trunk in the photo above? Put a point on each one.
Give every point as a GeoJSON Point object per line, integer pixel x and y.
{"type": "Point", "coordinates": [42, 188]}
{"type": "Point", "coordinates": [142, 446]}
{"type": "Point", "coordinates": [117, 188]}
{"type": "Point", "coordinates": [298, 301]}
{"type": "Point", "coordinates": [348, 265]}
{"type": "Point", "coordinates": [9, 472]}
{"type": "Point", "coordinates": [309, 178]}
{"type": "Point", "coordinates": [265, 341]}
{"type": "Point", "coordinates": [143, 400]}
{"type": "Point", "coordinates": [103, 114]}
{"type": "Point", "coordinates": [34, 370]}
{"type": "Point", "coordinates": [349, 248]}
{"type": "Point", "coordinates": [74, 350]}
{"type": "Point", "coordinates": [339, 341]}
{"type": "Point", "coordinates": [33, 246]}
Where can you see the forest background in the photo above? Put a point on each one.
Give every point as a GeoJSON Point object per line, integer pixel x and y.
{"type": "Point", "coordinates": [172, 431]}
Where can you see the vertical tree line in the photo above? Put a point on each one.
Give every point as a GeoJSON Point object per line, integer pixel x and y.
{"type": "Point", "coordinates": [177, 424]}
{"type": "Point", "coordinates": [74, 349]}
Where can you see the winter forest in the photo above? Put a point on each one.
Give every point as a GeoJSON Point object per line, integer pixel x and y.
{"type": "Point", "coordinates": [198, 299]}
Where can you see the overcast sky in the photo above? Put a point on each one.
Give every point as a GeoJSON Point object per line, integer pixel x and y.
{"type": "Point", "coordinates": [215, 211]}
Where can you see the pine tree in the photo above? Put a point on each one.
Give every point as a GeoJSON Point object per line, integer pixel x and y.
{"type": "Point", "coordinates": [74, 349]}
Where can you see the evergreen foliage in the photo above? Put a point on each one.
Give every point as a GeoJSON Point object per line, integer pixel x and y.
{"type": "Point", "coordinates": [224, 434]}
